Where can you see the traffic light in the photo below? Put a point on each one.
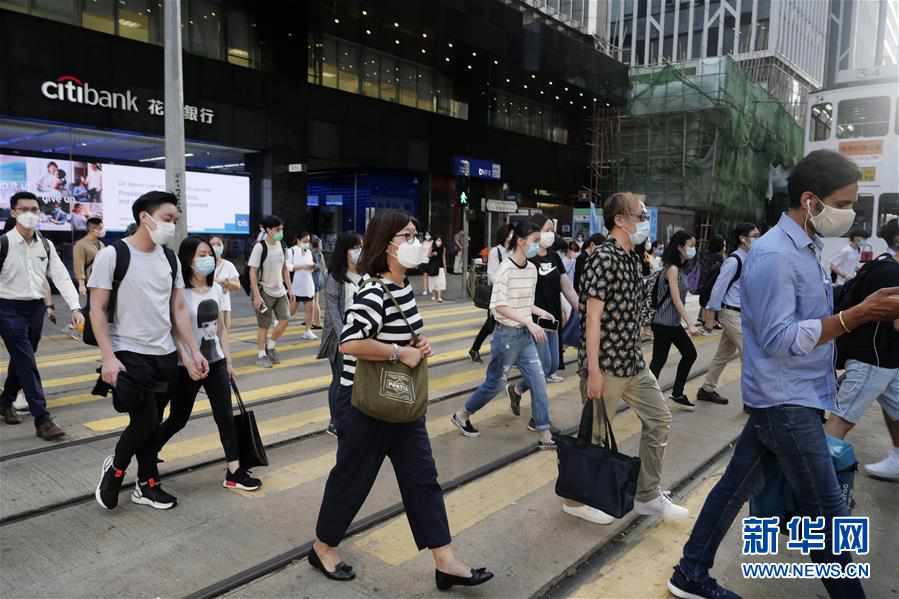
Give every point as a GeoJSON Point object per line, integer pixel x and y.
{"type": "Point", "coordinates": [462, 192]}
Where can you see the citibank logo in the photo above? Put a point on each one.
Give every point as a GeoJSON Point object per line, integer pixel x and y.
{"type": "Point", "coordinates": [68, 88]}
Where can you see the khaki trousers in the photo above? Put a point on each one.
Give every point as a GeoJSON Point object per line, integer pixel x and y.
{"type": "Point", "coordinates": [644, 396]}
{"type": "Point", "coordinates": [730, 345]}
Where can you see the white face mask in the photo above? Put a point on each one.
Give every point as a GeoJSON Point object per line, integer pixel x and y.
{"type": "Point", "coordinates": [547, 239]}
{"type": "Point", "coordinates": [218, 250]}
{"type": "Point", "coordinates": [832, 222]}
{"type": "Point", "coordinates": [163, 233]}
{"type": "Point", "coordinates": [691, 253]}
{"type": "Point", "coordinates": [354, 255]}
{"type": "Point", "coordinates": [641, 233]}
{"type": "Point", "coordinates": [410, 255]}
{"type": "Point", "coordinates": [29, 220]}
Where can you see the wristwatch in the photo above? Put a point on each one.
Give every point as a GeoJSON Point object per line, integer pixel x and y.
{"type": "Point", "coordinates": [395, 354]}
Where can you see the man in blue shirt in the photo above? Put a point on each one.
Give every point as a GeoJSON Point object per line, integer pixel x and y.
{"type": "Point", "coordinates": [788, 379]}
{"type": "Point", "coordinates": [725, 300]}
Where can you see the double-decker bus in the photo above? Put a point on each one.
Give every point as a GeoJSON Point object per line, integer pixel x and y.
{"type": "Point", "coordinates": [862, 123]}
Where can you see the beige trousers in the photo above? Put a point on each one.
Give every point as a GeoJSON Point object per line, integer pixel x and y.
{"type": "Point", "coordinates": [730, 345]}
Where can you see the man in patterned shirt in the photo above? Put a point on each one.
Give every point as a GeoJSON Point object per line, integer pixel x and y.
{"type": "Point", "coordinates": [610, 358]}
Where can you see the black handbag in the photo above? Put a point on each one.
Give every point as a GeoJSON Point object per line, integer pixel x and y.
{"type": "Point", "coordinates": [596, 475]}
{"type": "Point", "coordinates": [252, 450]}
{"type": "Point", "coordinates": [482, 291]}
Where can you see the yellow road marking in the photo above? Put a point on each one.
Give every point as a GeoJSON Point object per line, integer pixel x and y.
{"type": "Point", "coordinates": [660, 546]}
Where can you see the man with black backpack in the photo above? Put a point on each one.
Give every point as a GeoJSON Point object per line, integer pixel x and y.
{"type": "Point", "coordinates": [270, 289]}
{"type": "Point", "coordinates": [136, 304]}
{"type": "Point", "coordinates": [27, 261]}
{"type": "Point", "coordinates": [870, 355]}
{"type": "Point", "coordinates": [724, 300]}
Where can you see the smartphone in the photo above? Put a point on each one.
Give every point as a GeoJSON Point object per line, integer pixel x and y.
{"type": "Point", "coordinates": [263, 309]}
{"type": "Point", "coordinates": [546, 323]}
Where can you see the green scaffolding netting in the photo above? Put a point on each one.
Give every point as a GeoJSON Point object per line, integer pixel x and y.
{"type": "Point", "coordinates": [702, 136]}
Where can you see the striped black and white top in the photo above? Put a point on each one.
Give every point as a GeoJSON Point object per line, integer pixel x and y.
{"type": "Point", "coordinates": [374, 316]}
{"type": "Point", "coordinates": [666, 314]}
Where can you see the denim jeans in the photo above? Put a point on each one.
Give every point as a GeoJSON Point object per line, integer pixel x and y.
{"type": "Point", "coordinates": [513, 346]}
{"type": "Point", "coordinates": [863, 384]}
{"type": "Point", "coordinates": [549, 358]}
{"type": "Point", "coordinates": [793, 437]}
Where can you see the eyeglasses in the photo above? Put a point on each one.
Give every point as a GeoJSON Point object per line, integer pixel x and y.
{"type": "Point", "coordinates": [642, 217]}
{"type": "Point", "coordinates": [408, 236]}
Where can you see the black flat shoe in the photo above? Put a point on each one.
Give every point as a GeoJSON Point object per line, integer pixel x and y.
{"type": "Point", "coordinates": [343, 572]}
{"type": "Point", "coordinates": [475, 356]}
{"type": "Point", "coordinates": [447, 581]}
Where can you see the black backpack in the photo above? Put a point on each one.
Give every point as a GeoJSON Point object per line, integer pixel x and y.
{"type": "Point", "coordinates": [245, 275]}
{"type": "Point", "coordinates": [705, 290]}
{"type": "Point", "coordinates": [122, 261]}
{"type": "Point", "coordinates": [4, 248]}
{"type": "Point", "coordinates": [848, 295]}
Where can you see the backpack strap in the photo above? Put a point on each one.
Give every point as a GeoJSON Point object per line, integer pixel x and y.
{"type": "Point", "coordinates": [122, 261]}
{"type": "Point", "coordinates": [262, 258]}
{"type": "Point", "coordinates": [46, 245]}
{"type": "Point", "coordinates": [173, 263]}
{"type": "Point", "coordinates": [736, 274]}
{"type": "Point", "coordinates": [4, 249]}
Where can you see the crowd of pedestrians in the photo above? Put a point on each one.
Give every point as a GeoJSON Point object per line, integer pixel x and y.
{"type": "Point", "coordinates": [161, 318]}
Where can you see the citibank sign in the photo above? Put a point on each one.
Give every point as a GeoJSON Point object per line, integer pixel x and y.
{"type": "Point", "coordinates": [68, 88]}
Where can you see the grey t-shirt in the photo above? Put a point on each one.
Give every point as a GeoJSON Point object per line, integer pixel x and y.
{"type": "Point", "coordinates": [272, 282]}
{"type": "Point", "coordinates": [143, 322]}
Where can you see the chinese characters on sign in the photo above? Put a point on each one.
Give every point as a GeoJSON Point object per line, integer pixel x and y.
{"type": "Point", "coordinates": [191, 113]}
{"type": "Point", "coordinates": [849, 534]}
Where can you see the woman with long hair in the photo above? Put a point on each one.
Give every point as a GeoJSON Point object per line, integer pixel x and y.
{"type": "Point", "coordinates": [341, 285]}
{"type": "Point", "coordinates": [437, 265]}
{"type": "Point", "coordinates": [381, 325]}
{"type": "Point", "coordinates": [204, 299]}
{"type": "Point", "coordinates": [516, 337]}
{"type": "Point", "coordinates": [318, 279]}
{"type": "Point", "coordinates": [667, 328]}
{"type": "Point", "coordinates": [301, 264]}
{"type": "Point", "coordinates": [226, 276]}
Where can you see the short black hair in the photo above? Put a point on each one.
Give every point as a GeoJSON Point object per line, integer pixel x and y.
{"type": "Point", "coordinates": [94, 221]}
{"type": "Point", "coordinates": [672, 255]}
{"type": "Point", "coordinates": [270, 221]}
{"type": "Point", "coordinates": [595, 240]}
{"type": "Point", "coordinates": [150, 201]}
{"type": "Point", "coordinates": [822, 172]}
{"type": "Point", "coordinates": [51, 163]}
{"type": "Point", "coordinates": [716, 243]}
{"type": "Point", "coordinates": [743, 230]}
{"type": "Point", "coordinates": [856, 232]}
{"type": "Point", "coordinates": [889, 231]}
{"type": "Point", "coordinates": [21, 195]}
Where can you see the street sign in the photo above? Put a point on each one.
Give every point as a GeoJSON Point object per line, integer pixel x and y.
{"type": "Point", "coordinates": [502, 206]}
{"type": "Point", "coordinates": [296, 167]}
{"type": "Point", "coordinates": [477, 169]}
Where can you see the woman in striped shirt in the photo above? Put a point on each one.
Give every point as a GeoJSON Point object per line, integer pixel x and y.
{"type": "Point", "coordinates": [376, 330]}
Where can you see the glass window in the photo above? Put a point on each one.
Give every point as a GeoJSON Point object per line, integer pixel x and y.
{"type": "Point", "coordinates": [442, 94]}
{"type": "Point", "coordinates": [371, 66]}
{"type": "Point", "coordinates": [99, 15]}
{"type": "Point", "coordinates": [348, 68]}
{"type": "Point", "coordinates": [16, 5]}
{"type": "Point", "coordinates": [205, 27]}
{"type": "Point", "coordinates": [134, 20]}
{"type": "Point", "coordinates": [863, 117]}
{"type": "Point", "coordinates": [242, 46]}
{"type": "Point", "coordinates": [426, 90]}
{"type": "Point", "coordinates": [408, 77]}
{"type": "Point", "coordinates": [864, 214]}
{"type": "Point", "coordinates": [58, 10]}
{"type": "Point", "coordinates": [313, 60]}
{"type": "Point", "coordinates": [390, 79]}
{"type": "Point", "coordinates": [761, 35]}
{"type": "Point", "coordinates": [888, 208]}
{"type": "Point", "coordinates": [329, 62]}
{"type": "Point", "coordinates": [821, 119]}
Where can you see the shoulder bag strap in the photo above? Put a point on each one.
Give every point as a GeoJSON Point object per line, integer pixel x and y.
{"type": "Point", "coordinates": [4, 249]}
{"type": "Point", "coordinates": [240, 406]}
{"type": "Point", "coordinates": [609, 442]}
{"type": "Point", "coordinates": [393, 299]}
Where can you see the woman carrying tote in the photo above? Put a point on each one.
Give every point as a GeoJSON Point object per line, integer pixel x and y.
{"type": "Point", "coordinates": [341, 285]}
{"type": "Point", "coordinates": [380, 325]}
{"type": "Point", "coordinates": [671, 293]}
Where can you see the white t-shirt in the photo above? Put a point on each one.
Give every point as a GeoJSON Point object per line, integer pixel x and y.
{"type": "Point", "coordinates": [303, 285]}
{"type": "Point", "coordinates": [204, 309]}
{"type": "Point", "coordinates": [224, 272]}
{"type": "Point", "coordinates": [846, 261]}
{"type": "Point", "coordinates": [143, 322]}
{"type": "Point", "coordinates": [514, 287]}
{"type": "Point", "coordinates": [272, 279]}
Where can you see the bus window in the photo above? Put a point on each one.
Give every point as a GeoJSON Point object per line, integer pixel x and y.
{"type": "Point", "coordinates": [863, 117]}
{"type": "Point", "coordinates": [822, 116]}
{"type": "Point", "coordinates": [888, 208]}
{"type": "Point", "coordinates": [864, 215]}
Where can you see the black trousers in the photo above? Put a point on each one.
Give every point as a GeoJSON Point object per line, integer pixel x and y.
{"type": "Point", "coordinates": [362, 445]}
{"type": "Point", "coordinates": [218, 389]}
{"type": "Point", "coordinates": [663, 337]}
{"type": "Point", "coordinates": [145, 412]}
{"type": "Point", "coordinates": [486, 329]}
{"type": "Point", "coordinates": [21, 322]}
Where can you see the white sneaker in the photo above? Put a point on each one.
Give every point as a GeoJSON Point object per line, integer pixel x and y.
{"type": "Point", "coordinates": [554, 378]}
{"type": "Point", "coordinates": [308, 335]}
{"type": "Point", "coordinates": [590, 514]}
{"type": "Point", "coordinates": [662, 506]}
{"type": "Point", "coordinates": [886, 469]}
{"type": "Point", "coordinates": [20, 404]}
{"type": "Point", "coordinates": [426, 292]}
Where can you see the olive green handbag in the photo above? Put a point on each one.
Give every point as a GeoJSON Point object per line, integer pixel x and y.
{"type": "Point", "coordinates": [391, 391]}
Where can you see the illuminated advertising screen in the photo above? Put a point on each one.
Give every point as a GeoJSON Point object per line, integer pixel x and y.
{"type": "Point", "coordinates": [70, 192]}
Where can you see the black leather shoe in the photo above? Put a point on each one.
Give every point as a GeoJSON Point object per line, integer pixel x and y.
{"type": "Point", "coordinates": [342, 572]}
{"type": "Point", "coordinates": [475, 356]}
{"type": "Point", "coordinates": [8, 413]}
{"type": "Point", "coordinates": [447, 581]}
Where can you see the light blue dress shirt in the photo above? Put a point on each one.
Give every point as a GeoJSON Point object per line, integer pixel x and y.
{"type": "Point", "coordinates": [785, 294]}
{"type": "Point", "coordinates": [720, 293]}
